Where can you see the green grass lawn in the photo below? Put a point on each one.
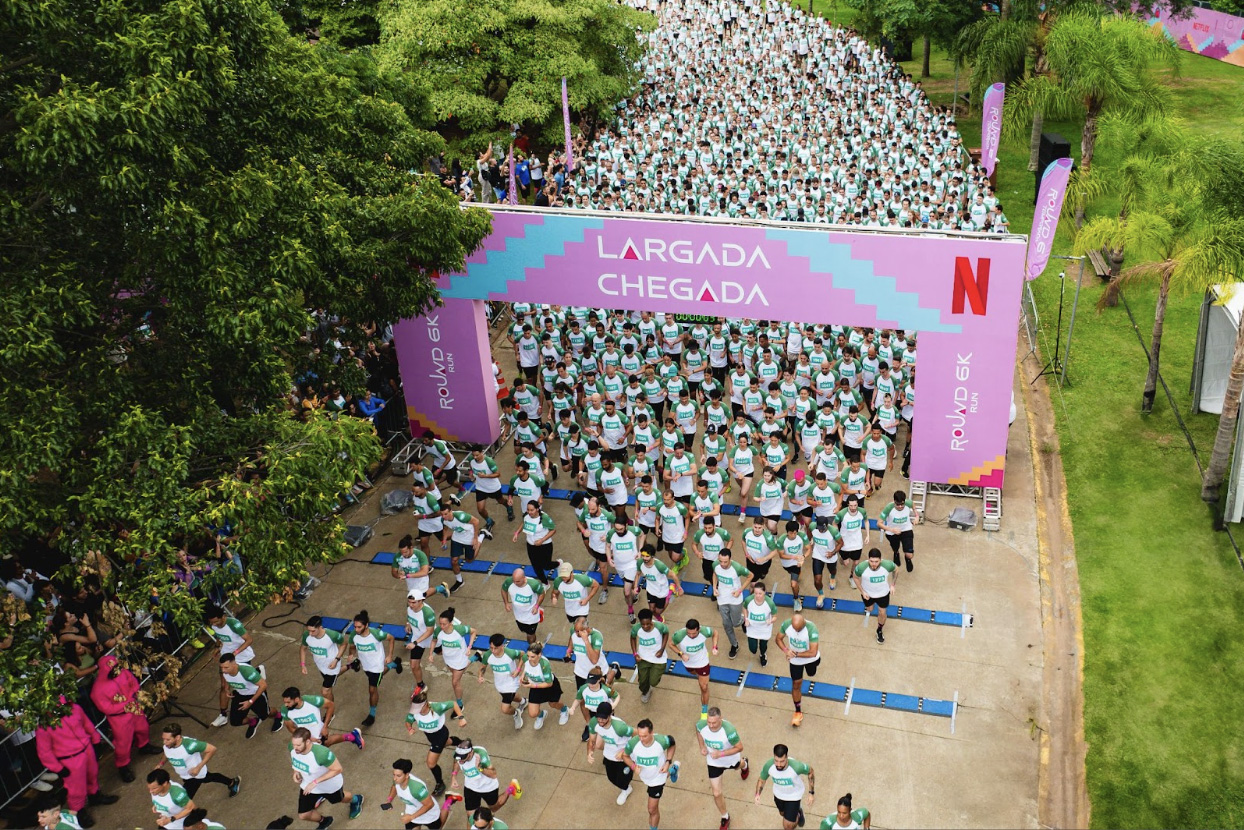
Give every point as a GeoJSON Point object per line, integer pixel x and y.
{"type": "Point", "coordinates": [1163, 594]}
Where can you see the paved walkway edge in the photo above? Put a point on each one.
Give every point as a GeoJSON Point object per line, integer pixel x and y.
{"type": "Point", "coordinates": [1063, 799]}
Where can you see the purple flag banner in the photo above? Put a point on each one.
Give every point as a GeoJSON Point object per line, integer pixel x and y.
{"type": "Point", "coordinates": [1045, 220]}
{"type": "Point", "coordinates": [513, 191]}
{"type": "Point", "coordinates": [566, 121]}
{"type": "Point", "coordinates": [991, 126]}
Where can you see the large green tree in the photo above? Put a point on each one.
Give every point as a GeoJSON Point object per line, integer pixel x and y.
{"type": "Point", "coordinates": [184, 185]}
{"type": "Point", "coordinates": [491, 64]}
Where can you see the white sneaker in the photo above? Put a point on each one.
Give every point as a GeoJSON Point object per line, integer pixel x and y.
{"type": "Point", "coordinates": [41, 786]}
{"type": "Point", "coordinates": [49, 777]}
{"type": "Point", "coordinates": [604, 596]}
{"type": "Point", "coordinates": [263, 671]}
{"type": "Point", "coordinates": [539, 724]}
{"type": "Point", "coordinates": [221, 720]}
{"type": "Point", "coordinates": [624, 795]}
{"type": "Point", "coordinates": [564, 717]}
{"type": "Point", "coordinates": [644, 698]}
{"type": "Point", "coordinates": [518, 721]}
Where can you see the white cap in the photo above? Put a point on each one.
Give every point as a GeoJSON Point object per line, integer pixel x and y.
{"type": "Point", "coordinates": [415, 594]}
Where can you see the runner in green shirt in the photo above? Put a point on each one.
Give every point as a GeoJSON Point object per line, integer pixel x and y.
{"type": "Point", "coordinates": [876, 580]}
{"type": "Point", "coordinates": [419, 807]}
{"type": "Point", "coordinates": [722, 750]}
{"type": "Point", "coordinates": [429, 718]}
{"type": "Point", "coordinates": [847, 818]}
{"type": "Point", "coordinates": [692, 645]}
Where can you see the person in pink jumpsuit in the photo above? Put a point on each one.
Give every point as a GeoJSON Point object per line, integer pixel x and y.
{"type": "Point", "coordinates": [68, 748]}
{"type": "Point", "coordinates": [115, 693]}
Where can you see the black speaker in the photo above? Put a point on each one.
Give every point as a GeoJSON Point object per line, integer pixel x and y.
{"type": "Point", "coordinates": [1053, 147]}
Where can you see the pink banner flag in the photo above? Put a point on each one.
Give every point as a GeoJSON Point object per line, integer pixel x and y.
{"type": "Point", "coordinates": [1045, 220]}
{"type": "Point", "coordinates": [513, 191]}
{"type": "Point", "coordinates": [991, 126]}
{"type": "Point", "coordinates": [566, 121]}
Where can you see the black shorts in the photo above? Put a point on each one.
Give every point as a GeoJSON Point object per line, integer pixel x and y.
{"type": "Point", "coordinates": [461, 550]}
{"type": "Point", "coordinates": [308, 801]}
{"type": "Point", "coordinates": [528, 628]}
{"type": "Point", "coordinates": [238, 715]}
{"type": "Point", "coordinates": [498, 497]}
{"type": "Point", "coordinates": [717, 772]}
{"type": "Point", "coordinates": [551, 694]}
{"type": "Point", "coordinates": [758, 571]}
{"type": "Point", "coordinates": [472, 800]}
{"type": "Point", "coordinates": [803, 511]}
{"type": "Point", "coordinates": [424, 534]}
{"type": "Point", "coordinates": [794, 572]}
{"type": "Point", "coordinates": [450, 476]}
{"type": "Point", "coordinates": [508, 697]}
{"type": "Point", "coordinates": [327, 681]}
{"type": "Point", "coordinates": [656, 792]}
{"type": "Point", "coordinates": [416, 654]}
{"type": "Point", "coordinates": [373, 678]}
{"type": "Point", "coordinates": [772, 517]}
{"type": "Point", "coordinates": [671, 547]}
{"type": "Point", "coordinates": [572, 618]}
{"type": "Point", "coordinates": [438, 739]}
{"type": "Point", "coordinates": [683, 499]}
{"type": "Point", "coordinates": [657, 602]}
{"type": "Point", "coordinates": [599, 556]}
{"type": "Point", "coordinates": [880, 602]}
{"type": "Point", "coordinates": [852, 453]}
{"type": "Point", "coordinates": [789, 809]}
{"type": "Point", "coordinates": [853, 555]}
{"type": "Point", "coordinates": [818, 567]}
{"type": "Point", "coordinates": [797, 671]}
{"type": "Point", "coordinates": [877, 474]}
{"type": "Point", "coordinates": [431, 825]}
{"type": "Point", "coordinates": [906, 540]}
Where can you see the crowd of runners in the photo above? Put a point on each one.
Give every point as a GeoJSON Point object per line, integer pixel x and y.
{"type": "Point", "coordinates": [692, 451]}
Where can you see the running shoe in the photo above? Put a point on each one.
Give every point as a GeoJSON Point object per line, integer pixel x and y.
{"type": "Point", "coordinates": [587, 733]}
{"type": "Point", "coordinates": [369, 720]}
{"type": "Point", "coordinates": [564, 717]}
{"type": "Point", "coordinates": [449, 802]}
{"type": "Point", "coordinates": [801, 818]}
{"type": "Point", "coordinates": [742, 518]}
{"type": "Point", "coordinates": [798, 604]}
{"type": "Point", "coordinates": [674, 768]}
{"type": "Point", "coordinates": [833, 585]}
{"type": "Point", "coordinates": [820, 600]}
{"type": "Point", "coordinates": [630, 618]}
{"type": "Point", "coordinates": [454, 588]}
{"type": "Point", "coordinates": [745, 770]}
{"type": "Point", "coordinates": [356, 805]}
{"type": "Point", "coordinates": [489, 523]}
{"type": "Point", "coordinates": [734, 652]}
{"type": "Point", "coordinates": [235, 786]}
{"type": "Point", "coordinates": [45, 787]}
{"type": "Point", "coordinates": [251, 730]}
{"type": "Point", "coordinates": [439, 789]}
{"type": "Point", "coordinates": [509, 514]}
{"type": "Point", "coordinates": [764, 660]}
{"type": "Point", "coordinates": [325, 823]}
{"type": "Point", "coordinates": [796, 719]}
{"type": "Point", "coordinates": [358, 737]}
{"type": "Point", "coordinates": [276, 724]}
{"type": "Point", "coordinates": [725, 823]}
{"type": "Point", "coordinates": [515, 788]}
{"type": "Point", "coordinates": [645, 697]}
{"type": "Point", "coordinates": [910, 565]}
{"type": "Point", "coordinates": [197, 643]}
{"type": "Point", "coordinates": [396, 665]}
{"type": "Point", "coordinates": [539, 724]}
{"type": "Point", "coordinates": [518, 720]}
{"type": "Point", "coordinates": [617, 670]}
{"type": "Point", "coordinates": [880, 636]}
{"type": "Point", "coordinates": [442, 589]}
{"type": "Point", "coordinates": [624, 795]}
{"type": "Point", "coordinates": [221, 720]}
{"type": "Point", "coordinates": [355, 665]}
{"type": "Point", "coordinates": [604, 596]}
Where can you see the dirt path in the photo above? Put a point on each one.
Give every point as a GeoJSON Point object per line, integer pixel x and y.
{"type": "Point", "coordinates": [1063, 797]}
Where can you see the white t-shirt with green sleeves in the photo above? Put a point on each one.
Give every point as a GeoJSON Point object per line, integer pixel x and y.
{"type": "Point", "coordinates": [650, 759]}
{"type": "Point", "coordinates": [186, 756]}
{"type": "Point", "coordinates": [614, 736]}
{"type": "Point", "coordinates": [574, 592]}
{"type": "Point", "coordinates": [801, 640]}
{"type": "Point", "coordinates": [656, 578]}
{"type": "Point", "coordinates": [787, 784]}
{"type": "Point", "coordinates": [729, 579]}
{"type": "Point", "coordinates": [505, 669]}
{"type": "Point", "coordinates": [454, 646]}
{"type": "Point", "coordinates": [314, 763]}
{"type": "Point", "coordinates": [170, 804]}
{"type": "Point", "coordinates": [432, 720]}
{"type": "Point", "coordinates": [720, 739]}
{"type": "Point", "coordinates": [537, 527]}
{"type": "Point", "coordinates": [460, 526]}
{"type": "Point", "coordinates": [231, 636]}
{"type": "Point", "coordinates": [695, 649]}
{"type": "Point", "coordinates": [471, 765]}
{"type": "Point", "coordinates": [308, 715]}
{"type": "Point", "coordinates": [524, 599]}
{"type": "Point", "coordinates": [851, 527]}
{"type": "Point", "coordinates": [875, 583]}
{"type": "Point", "coordinates": [758, 617]}
{"type": "Point", "coordinates": [324, 650]}
{"type": "Point", "coordinates": [413, 794]}
{"type": "Point", "coordinates": [648, 643]}
{"type": "Point", "coordinates": [370, 648]}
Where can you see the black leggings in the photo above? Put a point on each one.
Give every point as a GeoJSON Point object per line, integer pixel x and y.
{"type": "Point", "coordinates": [753, 643]}
{"type": "Point", "coordinates": [619, 773]}
{"type": "Point", "coordinates": [191, 785]}
{"type": "Point", "coordinates": [541, 558]}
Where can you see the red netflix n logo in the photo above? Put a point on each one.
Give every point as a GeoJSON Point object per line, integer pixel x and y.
{"type": "Point", "coordinates": [975, 287]}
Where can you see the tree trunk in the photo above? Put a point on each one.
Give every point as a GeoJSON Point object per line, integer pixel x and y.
{"type": "Point", "coordinates": [1088, 141]}
{"type": "Point", "coordinates": [1005, 9]}
{"type": "Point", "coordinates": [928, 47]}
{"type": "Point", "coordinates": [1034, 141]}
{"type": "Point", "coordinates": [1155, 345]}
{"type": "Point", "coordinates": [1110, 297]}
{"type": "Point", "coordinates": [954, 100]}
{"type": "Point", "coordinates": [1220, 458]}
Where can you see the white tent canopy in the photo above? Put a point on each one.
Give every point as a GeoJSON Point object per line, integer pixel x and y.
{"type": "Point", "coordinates": [1215, 343]}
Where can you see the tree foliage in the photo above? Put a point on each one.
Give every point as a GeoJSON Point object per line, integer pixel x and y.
{"type": "Point", "coordinates": [491, 64]}
{"type": "Point", "coordinates": [184, 184]}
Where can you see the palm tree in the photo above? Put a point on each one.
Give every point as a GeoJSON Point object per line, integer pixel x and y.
{"type": "Point", "coordinates": [1097, 66]}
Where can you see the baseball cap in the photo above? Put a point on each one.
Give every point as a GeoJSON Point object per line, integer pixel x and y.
{"type": "Point", "coordinates": [565, 569]}
{"type": "Point", "coordinates": [415, 594]}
